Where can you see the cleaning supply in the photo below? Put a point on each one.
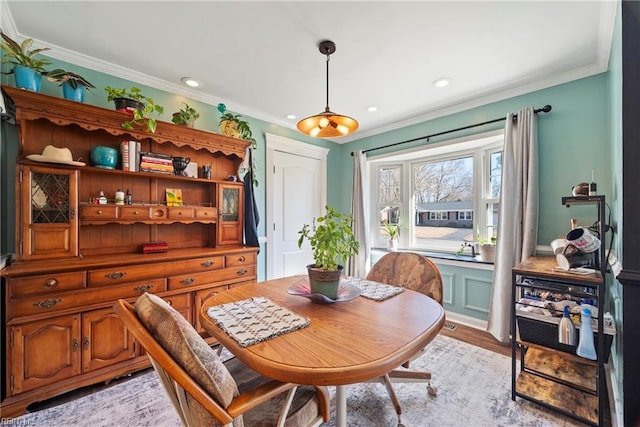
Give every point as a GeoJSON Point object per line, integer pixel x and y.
{"type": "Point", "coordinates": [586, 346]}
{"type": "Point", "coordinates": [566, 329]}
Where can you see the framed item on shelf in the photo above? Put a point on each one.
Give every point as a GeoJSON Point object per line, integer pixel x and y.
{"type": "Point", "coordinates": [174, 196]}
{"type": "Point", "coordinates": [191, 170]}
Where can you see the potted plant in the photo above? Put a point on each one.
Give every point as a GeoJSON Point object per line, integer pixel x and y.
{"type": "Point", "coordinates": [187, 116]}
{"type": "Point", "coordinates": [73, 85]}
{"type": "Point", "coordinates": [332, 241]}
{"type": "Point", "coordinates": [393, 231]}
{"type": "Point", "coordinates": [231, 125]}
{"type": "Point", "coordinates": [132, 101]}
{"type": "Point", "coordinates": [27, 69]}
{"type": "Point", "coordinates": [486, 249]}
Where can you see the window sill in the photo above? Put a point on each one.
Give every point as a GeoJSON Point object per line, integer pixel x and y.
{"type": "Point", "coordinates": [446, 258]}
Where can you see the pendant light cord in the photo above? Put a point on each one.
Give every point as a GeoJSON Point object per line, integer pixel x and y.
{"type": "Point", "coordinates": [326, 108]}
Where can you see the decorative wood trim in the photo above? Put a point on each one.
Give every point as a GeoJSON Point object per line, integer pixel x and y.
{"type": "Point", "coordinates": [34, 106]}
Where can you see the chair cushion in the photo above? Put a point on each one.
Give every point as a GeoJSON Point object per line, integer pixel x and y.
{"type": "Point", "coordinates": [304, 407]}
{"type": "Point", "coordinates": [189, 349]}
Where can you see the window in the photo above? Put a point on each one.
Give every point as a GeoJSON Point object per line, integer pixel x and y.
{"type": "Point", "coordinates": [442, 195]}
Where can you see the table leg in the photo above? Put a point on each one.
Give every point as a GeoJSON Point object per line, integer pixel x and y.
{"type": "Point", "coordinates": [341, 406]}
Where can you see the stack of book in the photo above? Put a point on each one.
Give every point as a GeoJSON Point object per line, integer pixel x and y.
{"type": "Point", "coordinates": [156, 162]}
{"type": "Point", "coordinates": [130, 153]}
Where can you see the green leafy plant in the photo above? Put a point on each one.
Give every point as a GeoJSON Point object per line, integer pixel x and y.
{"type": "Point", "coordinates": [392, 230]}
{"type": "Point", "coordinates": [242, 126]}
{"type": "Point", "coordinates": [331, 238]}
{"type": "Point", "coordinates": [61, 76]}
{"type": "Point", "coordinates": [140, 115]}
{"type": "Point", "coordinates": [19, 54]}
{"type": "Point", "coordinates": [186, 115]}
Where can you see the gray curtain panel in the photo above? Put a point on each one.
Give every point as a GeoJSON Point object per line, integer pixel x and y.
{"type": "Point", "coordinates": [359, 265]}
{"type": "Point", "coordinates": [517, 216]}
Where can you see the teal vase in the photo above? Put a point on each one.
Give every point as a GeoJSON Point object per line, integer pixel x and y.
{"type": "Point", "coordinates": [27, 78]}
{"type": "Point", "coordinates": [76, 94]}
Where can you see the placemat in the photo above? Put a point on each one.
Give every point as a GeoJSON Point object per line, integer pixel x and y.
{"type": "Point", "coordinates": [375, 290]}
{"type": "Point", "coordinates": [255, 320]}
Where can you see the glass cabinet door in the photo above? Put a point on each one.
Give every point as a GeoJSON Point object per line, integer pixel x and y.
{"type": "Point", "coordinates": [49, 213]}
{"type": "Point", "coordinates": [229, 214]}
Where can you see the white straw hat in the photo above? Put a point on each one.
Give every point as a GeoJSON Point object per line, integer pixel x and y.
{"type": "Point", "coordinates": [52, 154]}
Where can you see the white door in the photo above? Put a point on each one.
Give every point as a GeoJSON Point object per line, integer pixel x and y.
{"type": "Point", "coordinates": [296, 194]}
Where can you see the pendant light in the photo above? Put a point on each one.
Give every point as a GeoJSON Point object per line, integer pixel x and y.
{"type": "Point", "coordinates": [327, 124]}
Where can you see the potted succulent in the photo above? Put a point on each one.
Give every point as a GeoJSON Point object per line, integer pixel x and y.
{"type": "Point", "coordinates": [132, 101]}
{"type": "Point", "coordinates": [27, 69]}
{"type": "Point", "coordinates": [393, 231]}
{"type": "Point", "coordinates": [231, 125]}
{"type": "Point", "coordinates": [73, 85]}
{"type": "Point", "coordinates": [187, 116]}
{"type": "Point", "coordinates": [332, 241]}
{"type": "Point", "coordinates": [486, 250]}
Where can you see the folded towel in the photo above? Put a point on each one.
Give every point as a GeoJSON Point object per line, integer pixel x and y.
{"type": "Point", "coordinates": [255, 320]}
{"type": "Point", "coordinates": [375, 290]}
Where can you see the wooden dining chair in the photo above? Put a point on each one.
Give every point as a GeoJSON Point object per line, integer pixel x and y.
{"type": "Point", "coordinates": [420, 274]}
{"type": "Point", "coordinates": [206, 391]}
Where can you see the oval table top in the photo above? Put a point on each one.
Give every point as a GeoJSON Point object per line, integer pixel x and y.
{"type": "Point", "coordinates": [345, 343]}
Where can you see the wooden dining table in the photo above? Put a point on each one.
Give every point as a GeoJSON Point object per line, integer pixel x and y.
{"type": "Point", "coordinates": [345, 342]}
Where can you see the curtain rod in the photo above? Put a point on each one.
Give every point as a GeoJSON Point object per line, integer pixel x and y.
{"type": "Point", "coordinates": [544, 109]}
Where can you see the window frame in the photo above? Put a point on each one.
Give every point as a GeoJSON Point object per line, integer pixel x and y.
{"type": "Point", "coordinates": [478, 146]}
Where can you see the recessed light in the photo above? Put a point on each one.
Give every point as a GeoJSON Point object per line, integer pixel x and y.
{"type": "Point", "coordinates": [443, 82]}
{"type": "Point", "coordinates": [372, 109]}
{"type": "Point", "coordinates": [190, 81]}
{"type": "Point", "coordinates": [291, 116]}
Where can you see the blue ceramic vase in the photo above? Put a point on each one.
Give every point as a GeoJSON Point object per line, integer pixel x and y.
{"type": "Point", "coordinates": [104, 157]}
{"type": "Point", "coordinates": [27, 78]}
{"type": "Point", "coordinates": [72, 94]}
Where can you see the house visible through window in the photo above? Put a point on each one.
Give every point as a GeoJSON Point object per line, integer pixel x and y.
{"type": "Point", "coordinates": [441, 195]}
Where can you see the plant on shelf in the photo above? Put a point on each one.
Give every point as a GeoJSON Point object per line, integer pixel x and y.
{"type": "Point", "coordinates": [186, 116]}
{"type": "Point", "coordinates": [135, 103]}
{"type": "Point", "coordinates": [27, 68]}
{"type": "Point", "coordinates": [232, 125]}
{"type": "Point", "coordinates": [73, 84]}
{"type": "Point", "coordinates": [332, 241]}
{"type": "Point", "coordinates": [486, 249]}
{"type": "Point", "coordinates": [393, 232]}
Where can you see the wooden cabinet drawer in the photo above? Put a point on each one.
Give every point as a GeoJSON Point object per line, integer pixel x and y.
{"type": "Point", "coordinates": [205, 213]}
{"type": "Point", "coordinates": [115, 275]}
{"type": "Point", "coordinates": [181, 303]}
{"type": "Point", "coordinates": [79, 299]}
{"type": "Point", "coordinates": [134, 213]}
{"type": "Point", "coordinates": [98, 212]}
{"type": "Point", "coordinates": [158, 213]}
{"type": "Point", "coordinates": [181, 212]}
{"type": "Point", "coordinates": [44, 284]}
{"type": "Point", "coordinates": [199, 265]}
{"type": "Point", "coordinates": [197, 279]}
{"type": "Point", "coordinates": [240, 259]}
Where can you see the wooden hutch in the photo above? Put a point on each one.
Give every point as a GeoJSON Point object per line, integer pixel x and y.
{"type": "Point", "coordinates": [74, 258]}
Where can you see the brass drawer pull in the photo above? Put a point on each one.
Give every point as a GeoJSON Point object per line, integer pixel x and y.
{"type": "Point", "coordinates": [74, 344]}
{"type": "Point", "coordinates": [85, 343]}
{"type": "Point", "coordinates": [117, 275]}
{"type": "Point", "coordinates": [241, 259]}
{"type": "Point", "coordinates": [48, 303]}
{"type": "Point", "coordinates": [188, 281]}
{"type": "Point", "coordinates": [136, 212]}
{"type": "Point", "coordinates": [242, 272]}
{"type": "Point", "coordinates": [50, 283]}
{"type": "Point", "coordinates": [207, 263]}
{"type": "Point", "coordinates": [143, 288]}
{"type": "Point", "coordinates": [99, 212]}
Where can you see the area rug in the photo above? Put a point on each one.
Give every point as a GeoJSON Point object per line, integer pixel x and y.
{"type": "Point", "coordinates": [474, 389]}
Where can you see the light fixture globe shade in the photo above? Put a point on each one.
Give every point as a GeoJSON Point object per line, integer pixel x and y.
{"type": "Point", "coordinates": [327, 125]}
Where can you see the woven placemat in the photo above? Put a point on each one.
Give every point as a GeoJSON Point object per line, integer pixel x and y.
{"type": "Point", "coordinates": [255, 320]}
{"type": "Point", "coordinates": [374, 290]}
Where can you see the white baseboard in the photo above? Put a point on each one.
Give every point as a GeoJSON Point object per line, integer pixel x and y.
{"type": "Point", "coordinates": [466, 320]}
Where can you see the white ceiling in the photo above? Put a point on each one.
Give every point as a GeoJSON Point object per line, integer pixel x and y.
{"type": "Point", "coordinates": [261, 58]}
